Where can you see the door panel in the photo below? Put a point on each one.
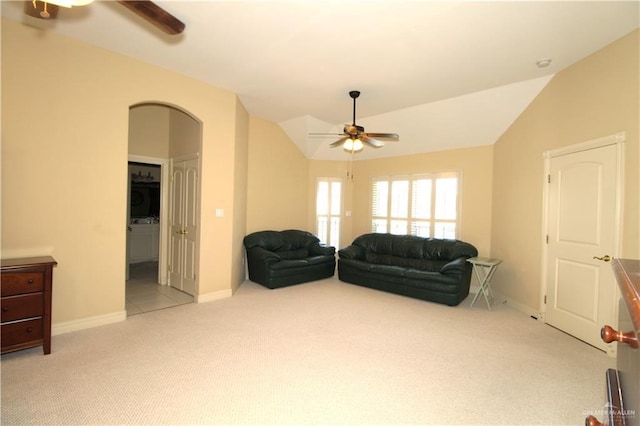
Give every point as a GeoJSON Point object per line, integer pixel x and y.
{"type": "Point", "coordinates": [190, 208]}
{"type": "Point", "coordinates": [582, 223]}
{"type": "Point", "coordinates": [184, 226]}
{"type": "Point", "coordinates": [175, 227]}
{"type": "Point", "coordinates": [576, 295]}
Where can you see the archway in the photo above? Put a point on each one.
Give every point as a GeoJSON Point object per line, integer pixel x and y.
{"type": "Point", "coordinates": [160, 136]}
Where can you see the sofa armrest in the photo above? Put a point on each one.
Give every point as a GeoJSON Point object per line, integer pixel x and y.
{"type": "Point", "coordinates": [352, 252]}
{"type": "Point", "coordinates": [259, 255]}
{"type": "Point", "coordinates": [321, 250]}
{"type": "Point", "coordinates": [457, 266]}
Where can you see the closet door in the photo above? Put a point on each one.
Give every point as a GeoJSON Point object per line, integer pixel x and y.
{"type": "Point", "coordinates": [184, 226]}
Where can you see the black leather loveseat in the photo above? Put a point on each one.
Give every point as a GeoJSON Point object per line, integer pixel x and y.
{"type": "Point", "coordinates": [281, 258]}
{"type": "Point", "coordinates": [424, 268]}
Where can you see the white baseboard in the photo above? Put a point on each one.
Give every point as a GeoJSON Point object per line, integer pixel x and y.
{"type": "Point", "coordinates": [216, 295]}
{"type": "Point", "coordinates": [501, 298]}
{"type": "Point", "coordinates": [96, 321]}
{"type": "Point", "coordinates": [90, 322]}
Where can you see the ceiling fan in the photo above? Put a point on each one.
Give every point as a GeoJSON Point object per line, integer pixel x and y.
{"type": "Point", "coordinates": [48, 9]}
{"type": "Point", "coordinates": [354, 136]}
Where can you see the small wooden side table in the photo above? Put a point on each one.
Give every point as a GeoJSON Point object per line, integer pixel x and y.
{"type": "Point", "coordinates": [484, 268]}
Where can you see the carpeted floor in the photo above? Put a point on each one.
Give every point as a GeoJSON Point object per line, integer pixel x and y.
{"type": "Point", "coordinates": [319, 353]}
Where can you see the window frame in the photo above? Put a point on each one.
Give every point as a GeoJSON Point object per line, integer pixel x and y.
{"type": "Point", "coordinates": [329, 180]}
{"type": "Point", "coordinates": [392, 222]}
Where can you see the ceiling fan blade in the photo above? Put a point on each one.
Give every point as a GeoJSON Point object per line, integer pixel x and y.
{"type": "Point", "coordinates": [393, 136]}
{"type": "Point", "coordinates": [339, 142]}
{"type": "Point", "coordinates": [41, 10]}
{"type": "Point", "coordinates": [155, 14]}
{"type": "Point", "coordinates": [371, 142]}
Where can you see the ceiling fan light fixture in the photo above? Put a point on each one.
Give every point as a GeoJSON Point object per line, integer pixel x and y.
{"type": "Point", "coordinates": [353, 145]}
{"type": "Point", "coordinates": [69, 3]}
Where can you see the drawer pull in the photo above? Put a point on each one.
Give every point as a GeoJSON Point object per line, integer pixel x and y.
{"type": "Point", "coordinates": [30, 281]}
{"type": "Point", "coordinates": [608, 335]}
{"type": "Point", "coordinates": [29, 329]}
{"type": "Point", "coordinates": [5, 309]}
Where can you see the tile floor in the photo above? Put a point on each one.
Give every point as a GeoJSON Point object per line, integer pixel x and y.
{"type": "Point", "coordinates": [144, 294]}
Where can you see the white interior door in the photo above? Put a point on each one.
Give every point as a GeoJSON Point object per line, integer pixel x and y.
{"type": "Point", "coordinates": [183, 226]}
{"type": "Point", "coordinates": [190, 226]}
{"type": "Point", "coordinates": [583, 200]}
{"type": "Point", "coordinates": [176, 241]}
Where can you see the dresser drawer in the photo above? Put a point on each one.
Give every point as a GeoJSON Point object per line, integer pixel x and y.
{"type": "Point", "coordinates": [19, 283]}
{"type": "Point", "coordinates": [24, 306]}
{"type": "Point", "coordinates": [15, 333]}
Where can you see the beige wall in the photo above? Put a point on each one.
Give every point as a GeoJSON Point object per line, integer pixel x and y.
{"type": "Point", "coordinates": [149, 127]}
{"type": "Point", "coordinates": [277, 180]}
{"type": "Point", "coordinates": [185, 134]}
{"type": "Point", "coordinates": [596, 97]}
{"type": "Point", "coordinates": [64, 165]}
{"type": "Point", "coordinates": [240, 184]}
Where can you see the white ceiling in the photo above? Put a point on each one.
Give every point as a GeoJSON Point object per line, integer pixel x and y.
{"type": "Point", "coordinates": [442, 74]}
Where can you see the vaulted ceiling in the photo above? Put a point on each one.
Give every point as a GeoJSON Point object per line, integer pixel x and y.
{"type": "Point", "coordinates": [443, 75]}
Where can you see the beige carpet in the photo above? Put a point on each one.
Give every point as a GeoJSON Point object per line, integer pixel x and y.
{"type": "Point", "coordinates": [318, 353]}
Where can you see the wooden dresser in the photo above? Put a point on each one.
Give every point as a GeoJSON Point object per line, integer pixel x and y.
{"type": "Point", "coordinates": [26, 303]}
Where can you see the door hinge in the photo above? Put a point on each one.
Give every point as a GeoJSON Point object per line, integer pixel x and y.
{"type": "Point", "coordinates": [548, 178]}
{"type": "Point", "coordinates": [547, 238]}
{"type": "Point", "coordinates": [545, 299]}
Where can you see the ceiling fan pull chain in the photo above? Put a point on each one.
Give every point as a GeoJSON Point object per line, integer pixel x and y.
{"type": "Point", "coordinates": [45, 13]}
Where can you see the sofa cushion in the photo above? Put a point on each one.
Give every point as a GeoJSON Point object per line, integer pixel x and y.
{"type": "Point", "coordinates": [447, 249]}
{"type": "Point", "coordinates": [317, 260]}
{"type": "Point", "coordinates": [268, 240]}
{"type": "Point", "coordinates": [396, 271]}
{"type": "Point", "coordinates": [412, 247]}
{"type": "Point", "coordinates": [293, 254]}
{"type": "Point", "coordinates": [405, 262]}
{"type": "Point", "coordinates": [408, 246]}
{"type": "Point", "coordinates": [427, 279]}
{"type": "Point", "coordinates": [294, 239]}
{"type": "Point", "coordinates": [289, 264]}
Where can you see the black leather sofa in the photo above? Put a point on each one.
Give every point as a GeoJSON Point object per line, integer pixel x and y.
{"type": "Point", "coordinates": [425, 268]}
{"type": "Point", "coordinates": [281, 258]}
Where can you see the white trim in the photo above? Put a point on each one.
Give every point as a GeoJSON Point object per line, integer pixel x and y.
{"type": "Point", "coordinates": [189, 157]}
{"type": "Point", "coordinates": [617, 138]}
{"type": "Point", "coordinates": [89, 322]}
{"type": "Point", "coordinates": [216, 295]}
{"type": "Point", "coordinates": [526, 309]}
{"type": "Point", "coordinates": [501, 299]}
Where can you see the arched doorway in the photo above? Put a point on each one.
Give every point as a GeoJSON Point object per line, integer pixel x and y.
{"type": "Point", "coordinates": [161, 138]}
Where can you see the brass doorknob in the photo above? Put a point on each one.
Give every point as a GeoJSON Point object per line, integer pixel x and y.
{"type": "Point", "coordinates": [605, 258]}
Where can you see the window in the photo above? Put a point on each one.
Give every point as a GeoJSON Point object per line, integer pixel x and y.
{"type": "Point", "coordinates": [328, 210]}
{"type": "Point", "coordinates": [425, 205]}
